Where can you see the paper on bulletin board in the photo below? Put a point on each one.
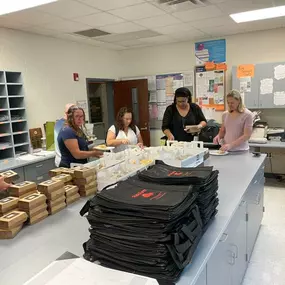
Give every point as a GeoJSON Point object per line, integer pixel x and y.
{"type": "Point", "coordinates": [169, 86]}
{"type": "Point", "coordinates": [188, 79]}
{"type": "Point", "coordinates": [279, 72]}
{"type": "Point", "coordinates": [153, 111]}
{"type": "Point", "coordinates": [152, 97]}
{"type": "Point", "coordinates": [177, 84]}
{"type": "Point", "coordinates": [161, 109]}
{"type": "Point", "coordinates": [160, 83]}
{"type": "Point", "coordinates": [245, 70]}
{"type": "Point", "coordinates": [279, 98]}
{"type": "Point", "coordinates": [161, 96]}
{"type": "Point", "coordinates": [266, 86]}
{"type": "Point", "coordinates": [151, 83]}
{"type": "Point", "coordinates": [245, 84]}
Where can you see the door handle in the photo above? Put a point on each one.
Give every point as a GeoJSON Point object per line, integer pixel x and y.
{"type": "Point", "coordinates": [258, 198]}
{"type": "Point", "coordinates": [144, 129]}
{"type": "Point", "coordinates": [40, 165]}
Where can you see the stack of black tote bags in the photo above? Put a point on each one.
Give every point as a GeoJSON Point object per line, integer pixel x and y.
{"type": "Point", "coordinates": [152, 223]}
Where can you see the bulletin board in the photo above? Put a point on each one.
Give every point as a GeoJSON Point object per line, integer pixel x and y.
{"type": "Point", "coordinates": [161, 93]}
{"type": "Point", "coordinates": [262, 85]}
{"type": "Point", "coordinates": [210, 88]}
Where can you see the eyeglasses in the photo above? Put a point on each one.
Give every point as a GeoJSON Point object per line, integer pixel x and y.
{"type": "Point", "coordinates": [181, 101]}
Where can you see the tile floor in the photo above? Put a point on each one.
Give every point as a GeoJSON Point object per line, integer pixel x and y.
{"type": "Point", "coordinates": [267, 264]}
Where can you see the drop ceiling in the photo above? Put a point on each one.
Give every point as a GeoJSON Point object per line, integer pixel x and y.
{"type": "Point", "coordinates": [138, 23]}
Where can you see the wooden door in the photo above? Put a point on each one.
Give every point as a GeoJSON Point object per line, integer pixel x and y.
{"type": "Point", "coordinates": [134, 94]}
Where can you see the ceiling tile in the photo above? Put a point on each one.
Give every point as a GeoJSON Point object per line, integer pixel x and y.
{"type": "Point", "coordinates": [131, 43]}
{"type": "Point", "coordinates": [109, 45]}
{"type": "Point", "coordinates": [237, 6]}
{"type": "Point", "coordinates": [67, 26]}
{"type": "Point", "coordinates": [159, 39]}
{"type": "Point", "coordinates": [263, 25]}
{"type": "Point", "coordinates": [174, 28]}
{"type": "Point", "coordinates": [106, 5]}
{"type": "Point", "coordinates": [189, 35]}
{"type": "Point", "coordinates": [198, 14]}
{"type": "Point", "coordinates": [32, 17]}
{"type": "Point", "coordinates": [223, 30]}
{"type": "Point", "coordinates": [137, 12]}
{"type": "Point", "coordinates": [128, 36]}
{"type": "Point", "coordinates": [213, 22]}
{"type": "Point", "coordinates": [6, 22]}
{"type": "Point", "coordinates": [122, 28]}
{"type": "Point", "coordinates": [40, 31]}
{"type": "Point", "coordinates": [99, 19]}
{"type": "Point", "coordinates": [68, 9]}
{"type": "Point", "coordinates": [176, 8]}
{"type": "Point", "coordinates": [158, 21]}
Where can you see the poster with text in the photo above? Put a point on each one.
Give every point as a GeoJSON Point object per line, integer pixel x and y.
{"type": "Point", "coordinates": [214, 51]}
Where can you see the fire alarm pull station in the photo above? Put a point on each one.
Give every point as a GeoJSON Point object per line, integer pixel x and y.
{"type": "Point", "coordinates": [75, 76]}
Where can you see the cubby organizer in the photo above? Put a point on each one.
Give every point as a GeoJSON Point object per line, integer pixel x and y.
{"type": "Point", "coordinates": [14, 131]}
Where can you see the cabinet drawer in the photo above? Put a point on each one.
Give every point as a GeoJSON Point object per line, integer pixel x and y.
{"type": "Point", "coordinates": [36, 170]}
{"type": "Point", "coordinates": [20, 172]}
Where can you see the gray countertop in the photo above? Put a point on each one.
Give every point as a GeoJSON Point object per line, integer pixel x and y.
{"type": "Point", "coordinates": [30, 159]}
{"type": "Point", "coordinates": [42, 243]}
{"type": "Point", "coordinates": [269, 144]}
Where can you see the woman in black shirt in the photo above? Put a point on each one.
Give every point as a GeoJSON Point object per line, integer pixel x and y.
{"type": "Point", "coordinates": [183, 118]}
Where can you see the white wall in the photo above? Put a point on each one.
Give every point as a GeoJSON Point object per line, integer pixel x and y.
{"type": "Point", "coordinates": [257, 47]}
{"type": "Point", "coordinates": [47, 65]}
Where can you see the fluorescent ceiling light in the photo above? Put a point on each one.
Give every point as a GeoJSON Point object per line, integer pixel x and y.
{"type": "Point", "coordinates": [261, 14]}
{"type": "Point", "coordinates": [10, 6]}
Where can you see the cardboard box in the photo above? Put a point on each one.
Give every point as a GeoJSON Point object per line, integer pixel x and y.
{"type": "Point", "coordinates": [35, 211]}
{"type": "Point", "coordinates": [32, 201]}
{"type": "Point", "coordinates": [8, 204]}
{"type": "Point", "coordinates": [56, 209]}
{"type": "Point", "coordinates": [8, 234]}
{"type": "Point", "coordinates": [87, 186]}
{"type": "Point", "coordinates": [62, 177]}
{"type": "Point", "coordinates": [9, 176]}
{"type": "Point", "coordinates": [56, 194]}
{"type": "Point", "coordinates": [55, 172]}
{"type": "Point", "coordinates": [72, 199]}
{"type": "Point", "coordinates": [82, 171]}
{"type": "Point", "coordinates": [50, 186]}
{"type": "Point", "coordinates": [70, 190]}
{"type": "Point", "coordinates": [35, 191]}
{"type": "Point", "coordinates": [12, 220]}
{"type": "Point", "coordinates": [59, 200]}
{"type": "Point", "coordinates": [69, 171]}
{"type": "Point", "coordinates": [39, 217]}
{"type": "Point", "coordinates": [20, 189]}
{"type": "Point", "coordinates": [88, 192]}
{"type": "Point", "coordinates": [84, 181]}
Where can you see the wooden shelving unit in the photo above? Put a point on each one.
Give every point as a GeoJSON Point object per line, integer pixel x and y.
{"type": "Point", "coordinates": [14, 132]}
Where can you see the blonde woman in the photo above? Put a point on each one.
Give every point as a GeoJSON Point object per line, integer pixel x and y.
{"type": "Point", "coordinates": [72, 141]}
{"type": "Point", "coordinates": [237, 125]}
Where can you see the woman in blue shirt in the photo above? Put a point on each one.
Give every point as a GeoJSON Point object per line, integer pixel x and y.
{"type": "Point", "coordinates": [72, 140]}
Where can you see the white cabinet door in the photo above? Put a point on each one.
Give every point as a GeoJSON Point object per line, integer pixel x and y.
{"type": "Point", "coordinates": [203, 278]}
{"type": "Point", "coordinates": [218, 267]}
{"type": "Point", "coordinates": [237, 245]}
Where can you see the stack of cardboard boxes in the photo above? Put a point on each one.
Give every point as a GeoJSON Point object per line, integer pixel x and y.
{"type": "Point", "coordinates": [65, 178]}
{"type": "Point", "coordinates": [85, 179]}
{"type": "Point", "coordinates": [11, 224]}
{"type": "Point", "coordinates": [35, 207]}
{"type": "Point", "coordinates": [71, 194]}
{"type": "Point", "coordinates": [8, 204]}
{"type": "Point", "coordinates": [9, 176]}
{"type": "Point", "coordinates": [23, 189]}
{"type": "Point", "coordinates": [55, 193]}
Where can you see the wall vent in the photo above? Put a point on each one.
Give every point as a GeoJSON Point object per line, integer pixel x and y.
{"type": "Point", "coordinates": [92, 33]}
{"type": "Point", "coordinates": [176, 2]}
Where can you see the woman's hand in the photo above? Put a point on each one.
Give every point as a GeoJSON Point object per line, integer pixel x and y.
{"type": "Point", "coordinates": [216, 140]}
{"type": "Point", "coordinates": [3, 184]}
{"type": "Point", "coordinates": [226, 147]}
{"type": "Point", "coordinates": [125, 141]}
{"type": "Point", "coordinates": [97, 153]}
{"type": "Point", "coordinates": [170, 137]}
{"type": "Point", "coordinates": [140, 145]}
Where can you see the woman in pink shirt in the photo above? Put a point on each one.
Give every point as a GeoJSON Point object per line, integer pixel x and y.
{"type": "Point", "coordinates": [237, 125]}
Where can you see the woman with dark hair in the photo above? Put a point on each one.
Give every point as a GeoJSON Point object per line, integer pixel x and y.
{"type": "Point", "coordinates": [183, 118]}
{"type": "Point", "coordinates": [72, 140]}
{"type": "Point", "coordinates": [124, 132]}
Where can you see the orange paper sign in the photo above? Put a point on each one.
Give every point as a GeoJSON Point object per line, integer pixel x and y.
{"type": "Point", "coordinates": [245, 70]}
